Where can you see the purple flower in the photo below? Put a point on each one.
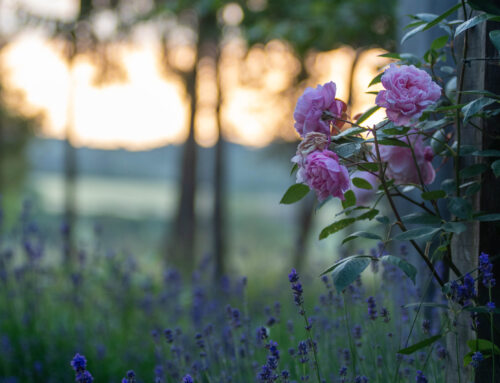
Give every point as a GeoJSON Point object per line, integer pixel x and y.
{"type": "Point", "coordinates": [312, 104]}
{"type": "Point", "coordinates": [302, 351]}
{"type": "Point", "coordinates": [79, 363]}
{"type": "Point", "coordinates": [323, 173]}
{"type": "Point", "coordinates": [464, 292]}
{"type": "Point", "coordinates": [384, 313]}
{"type": "Point", "coordinates": [401, 165]}
{"type": "Point", "coordinates": [408, 92]}
{"type": "Point", "coordinates": [372, 308]}
{"type": "Point", "coordinates": [486, 270]}
{"type": "Point", "coordinates": [491, 306]}
{"type": "Point", "coordinates": [421, 377]}
{"type": "Point", "coordinates": [360, 379]}
{"type": "Point", "coordinates": [477, 357]}
{"type": "Point", "coordinates": [84, 377]}
{"type": "Point", "coordinates": [293, 276]}
{"type": "Point", "coordinates": [187, 379]}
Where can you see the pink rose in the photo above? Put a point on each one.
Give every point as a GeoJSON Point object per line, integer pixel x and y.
{"type": "Point", "coordinates": [364, 196]}
{"type": "Point", "coordinates": [400, 164]}
{"type": "Point", "coordinates": [311, 105]}
{"type": "Point", "coordinates": [408, 92]}
{"type": "Point", "coordinates": [323, 173]}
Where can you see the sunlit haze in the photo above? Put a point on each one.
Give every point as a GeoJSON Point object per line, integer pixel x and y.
{"type": "Point", "coordinates": [148, 107]}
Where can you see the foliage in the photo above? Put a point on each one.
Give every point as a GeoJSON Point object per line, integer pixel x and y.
{"type": "Point", "coordinates": [164, 328]}
{"type": "Point", "coordinates": [426, 114]}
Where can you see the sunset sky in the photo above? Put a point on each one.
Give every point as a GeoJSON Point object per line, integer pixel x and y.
{"type": "Point", "coordinates": [149, 107]}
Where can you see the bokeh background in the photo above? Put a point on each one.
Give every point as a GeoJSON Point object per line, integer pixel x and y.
{"type": "Point", "coordinates": [168, 125]}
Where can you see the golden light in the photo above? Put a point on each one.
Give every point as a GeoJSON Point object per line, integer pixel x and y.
{"type": "Point", "coordinates": [150, 108]}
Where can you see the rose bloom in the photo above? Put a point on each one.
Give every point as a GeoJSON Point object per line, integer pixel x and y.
{"type": "Point", "coordinates": [408, 92]}
{"type": "Point", "coordinates": [400, 163]}
{"type": "Point", "coordinates": [323, 173]}
{"type": "Point", "coordinates": [311, 105]}
{"type": "Point", "coordinates": [364, 196]}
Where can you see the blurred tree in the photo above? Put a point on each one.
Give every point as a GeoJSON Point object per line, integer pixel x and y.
{"type": "Point", "coordinates": [79, 36]}
{"type": "Point", "coordinates": [15, 131]}
{"type": "Point", "coordinates": [311, 26]}
{"type": "Point", "coordinates": [201, 18]}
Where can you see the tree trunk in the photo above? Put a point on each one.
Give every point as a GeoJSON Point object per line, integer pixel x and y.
{"type": "Point", "coordinates": [478, 75]}
{"type": "Point", "coordinates": [182, 249]}
{"type": "Point", "coordinates": [489, 232]}
{"type": "Point", "coordinates": [185, 226]}
{"type": "Point", "coordinates": [219, 180]}
{"type": "Point", "coordinates": [70, 164]}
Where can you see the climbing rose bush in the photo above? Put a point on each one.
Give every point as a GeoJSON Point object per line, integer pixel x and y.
{"type": "Point", "coordinates": [313, 104]}
{"type": "Point", "coordinates": [401, 165]}
{"type": "Point", "coordinates": [323, 173]}
{"type": "Point", "coordinates": [408, 92]}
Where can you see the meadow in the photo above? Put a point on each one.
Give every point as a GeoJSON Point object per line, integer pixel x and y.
{"type": "Point", "coordinates": [122, 315]}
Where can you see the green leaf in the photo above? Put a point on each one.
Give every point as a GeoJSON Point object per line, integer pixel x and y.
{"type": "Point", "coordinates": [442, 16]}
{"type": "Point", "coordinates": [395, 56]}
{"type": "Point", "coordinates": [347, 272]}
{"type": "Point", "coordinates": [482, 345]}
{"type": "Point", "coordinates": [367, 114]}
{"type": "Point", "coordinates": [488, 217]}
{"type": "Point", "coordinates": [471, 23]}
{"type": "Point", "coordinates": [487, 153]}
{"type": "Point", "coordinates": [396, 130]}
{"type": "Point", "coordinates": [419, 345]}
{"type": "Point", "coordinates": [482, 310]}
{"type": "Point", "coordinates": [295, 167]}
{"type": "Point", "coordinates": [406, 267]}
{"type": "Point", "coordinates": [476, 106]}
{"type": "Point", "coordinates": [368, 166]}
{"type": "Point", "coordinates": [361, 183]}
{"type": "Point", "coordinates": [448, 185]}
{"type": "Point", "coordinates": [340, 261]}
{"type": "Point", "coordinates": [495, 166]}
{"type": "Point", "coordinates": [368, 215]}
{"type": "Point", "coordinates": [432, 195]}
{"type": "Point", "coordinates": [383, 220]}
{"type": "Point", "coordinates": [348, 149]}
{"type": "Point", "coordinates": [362, 234]}
{"type": "Point", "coordinates": [376, 79]}
{"type": "Point", "coordinates": [485, 6]}
{"type": "Point", "coordinates": [392, 142]}
{"type": "Point", "coordinates": [416, 234]}
{"type": "Point", "coordinates": [413, 32]}
{"type": "Point", "coordinates": [336, 226]}
{"type": "Point", "coordinates": [421, 219]}
{"type": "Point", "coordinates": [349, 199]}
{"type": "Point", "coordinates": [473, 170]}
{"type": "Point", "coordinates": [348, 132]}
{"type": "Point", "coordinates": [472, 188]}
{"type": "Point", "coordinates": [294, 193]}
{"type": "Point", "coordinates": [482, 92]}
{"type": "Point", "coordinates": [440, 42]}
{"type": "Point", "coordinates": [459, 207]}
{"type": "Point", "coordinates": [454, 227]}
{"type": "Point", "coordinates": [495, 39]}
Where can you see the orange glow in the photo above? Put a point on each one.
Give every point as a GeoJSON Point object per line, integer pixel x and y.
{"type": "Point", "coordinates": [149, 108]}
